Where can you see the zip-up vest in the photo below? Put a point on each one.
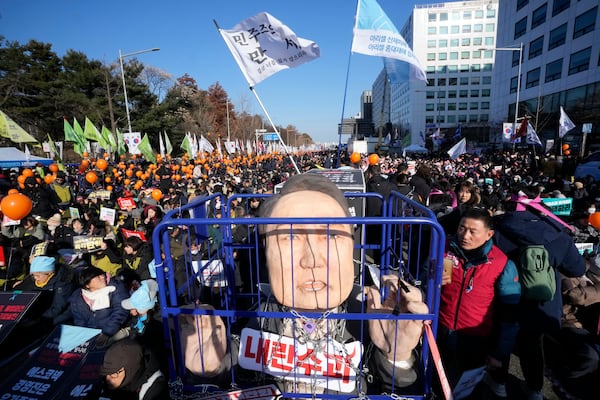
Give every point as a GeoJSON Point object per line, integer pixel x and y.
{"type": "Point", "coordinates": [467, 303]}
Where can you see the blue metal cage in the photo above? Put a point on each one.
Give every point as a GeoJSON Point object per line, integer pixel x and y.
{"type": "Point", "coordinates": [217, 259]}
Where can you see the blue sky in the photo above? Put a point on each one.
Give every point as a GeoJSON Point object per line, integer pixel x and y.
{"type": "Point", "coordinates": [311, 97]}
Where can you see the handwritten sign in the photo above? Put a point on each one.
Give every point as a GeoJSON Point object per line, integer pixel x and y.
{"type": "Point", "coordinates": [13, 305]}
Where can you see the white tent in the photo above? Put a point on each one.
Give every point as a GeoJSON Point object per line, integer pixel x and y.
{"type": "Point", "coordinates": [415, 148]}
{"type": "Point", "coordinates": [11, 157]}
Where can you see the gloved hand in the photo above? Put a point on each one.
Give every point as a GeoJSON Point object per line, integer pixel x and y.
{"type": "Point", "coordinates": [102, 340]}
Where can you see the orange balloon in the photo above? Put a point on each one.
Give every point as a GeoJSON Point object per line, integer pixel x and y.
{"type": "Point", "coordinates": [85, 154]}
{"type": "Point", "coordinates": [53, 167]}
{"type": "Point", "coordinates": [109, 188]}
{"type": "Point", "coordinates": [16, 206]}
{"type": "Point", "coordinates": [107, 179]}
{"type": "Point", "coordinates": [106, 155]}
{"type": "Point", "coordinates": [139, 173]}
{"type": "Point", "coordinates": [84, 164]}
{"type": "Point", "coordinates": [355, 157]}
{"type": "Point", "coordinates": [566, 146]}
{"type": "Point", "coordinates": [594, 220]}
{"type": "Point", "coordinates": [13, 191]}
{"type": "Point", "coordinates": [27, 172]}
{"type": "Point", "coordinates": [49, 178]}
{"type": "Point", "coordinates": [373, 159]}
{"type": "Point", "coordinates": [21, 179]}
{"type": "Point", "coordinates": [127, 181]}
{"type": "Point", "coordinates": [91, 177]}
{"type": "Point", "coordinates": [157, 194]}
{"type": "Point", "coordinates": [101, 164]}
{"type": "Point", "coordinates": [567, 152]}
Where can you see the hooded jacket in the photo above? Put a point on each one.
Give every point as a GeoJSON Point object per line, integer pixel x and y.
{"type": "Point", "coordinates": [517, 229]}
{"type": "Point", "coordinates": [143, 379]}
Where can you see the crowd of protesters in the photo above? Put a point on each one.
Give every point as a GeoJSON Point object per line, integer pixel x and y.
{"type": "Point", "coordinates": [112, 287]}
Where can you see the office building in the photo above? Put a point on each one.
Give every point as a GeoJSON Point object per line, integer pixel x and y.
{"type": "Point", "coordinates": [448, 39]}
{"type": "Point", "coordinates": [560, 66]}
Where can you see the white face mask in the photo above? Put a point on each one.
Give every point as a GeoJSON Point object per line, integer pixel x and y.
{"type": "Point", "coordinates": [591, 210]}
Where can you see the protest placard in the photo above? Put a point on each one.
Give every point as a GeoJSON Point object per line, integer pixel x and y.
{"type": "Point", "coordinates": [87, 244]}
{"type": "Point", "coordinates": [108, 215]}
{"type": "Point", "coordinates": [13, 305]}
{"type": "Point", "coordinates": [126, 203]}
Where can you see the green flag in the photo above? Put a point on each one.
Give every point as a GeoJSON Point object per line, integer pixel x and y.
{"type": "Point", "coordinates": [120, 143]}
{"type": "Point", "coordinates": [91, 132]}
{"type": "Point", "coordinates": [80, 143]}
{"type": "Point", "coordinates": [109, 138]}
{"type": "Point", "coordinates": [186, 145]}
{"type": "Point", "coordinates": [146, 149]}
{"type": "Point", "coordinates": [53, 149]}
{"type": "Point", "coordinates": [168, 146]}
{"type": "Point", "coordinates": [70, 135]}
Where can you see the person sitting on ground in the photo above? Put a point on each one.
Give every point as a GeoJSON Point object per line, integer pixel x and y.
{"type": "Point", "coordinates": [311, 269]}
{"type": "Point", "coordinates": [97, 304]}
{"type": "Point", "coordinates": [138, 254]}
{"type": "Point", "coordinates": [108, 258]}
{"type": "Point", "coordinates": [146, 324]}
{"type": "Point", "coordinates": [56, 281]}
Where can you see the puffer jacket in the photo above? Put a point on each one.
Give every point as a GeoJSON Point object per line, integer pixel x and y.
{"type": "Point", "coordinates": [109, 319]}
{"type": "Point", "coordinates": [513, 231]}
{"type": "Point", "coordinates": [478, 284]}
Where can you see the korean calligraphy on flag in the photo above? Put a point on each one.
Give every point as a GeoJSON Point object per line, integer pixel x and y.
{"type": "Point", "coordinates": [261, 46]}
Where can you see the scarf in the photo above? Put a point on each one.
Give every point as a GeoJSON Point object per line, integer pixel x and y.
{"type": "Point", "coordinates": [98, 299]}
{"type": "Point", "coordinates": [42, 284]}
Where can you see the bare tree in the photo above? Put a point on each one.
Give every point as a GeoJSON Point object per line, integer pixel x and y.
{"type": "Point", "coordinates": [158, 81]}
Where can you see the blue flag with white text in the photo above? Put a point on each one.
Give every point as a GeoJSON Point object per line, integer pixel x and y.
{"type": "Point", "coordinates": [376, 35]}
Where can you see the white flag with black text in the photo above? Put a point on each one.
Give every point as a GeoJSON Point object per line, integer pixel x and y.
{"type": "Point", "coordinates": [262, 45]}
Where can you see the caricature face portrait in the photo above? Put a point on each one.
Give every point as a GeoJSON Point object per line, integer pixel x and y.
{"type": "Point", "coordinates": [310, 265]}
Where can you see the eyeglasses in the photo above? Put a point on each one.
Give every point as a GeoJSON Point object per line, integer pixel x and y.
{"type": "Point", "coordinates": [116, 374]}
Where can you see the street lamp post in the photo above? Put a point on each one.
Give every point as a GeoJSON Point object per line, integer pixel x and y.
{"type": "Point", "coordinates": [520, 50]}
{"type": "Point", "coordinates": [121, 57]}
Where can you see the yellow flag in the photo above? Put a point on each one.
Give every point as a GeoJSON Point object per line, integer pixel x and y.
{"type": "Point", "coordinates": [9, 129]}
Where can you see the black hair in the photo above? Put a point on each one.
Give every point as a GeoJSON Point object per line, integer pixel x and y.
{"type": "Point", "coordinates": [87, 274]}
{"type": "Point", "coordinates": [134, 242]}
{"type": "Point", "coordinates": [479, 214]}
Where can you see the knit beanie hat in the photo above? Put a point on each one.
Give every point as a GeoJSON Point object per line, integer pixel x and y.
{"type": "Point", "coordinates": [42, 264]}
{"type": "Point", "coordinates": [143, 299]}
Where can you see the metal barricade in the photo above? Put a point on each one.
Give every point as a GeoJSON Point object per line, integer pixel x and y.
{"type": "Point", "coordinates": [220, 262]}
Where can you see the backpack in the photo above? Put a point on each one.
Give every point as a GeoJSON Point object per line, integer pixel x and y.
{"type": "Point", "coordinates": [537, 275]}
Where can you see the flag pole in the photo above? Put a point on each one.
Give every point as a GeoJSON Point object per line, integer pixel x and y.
{"type": "Point", "coordinates": [290, 155]}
